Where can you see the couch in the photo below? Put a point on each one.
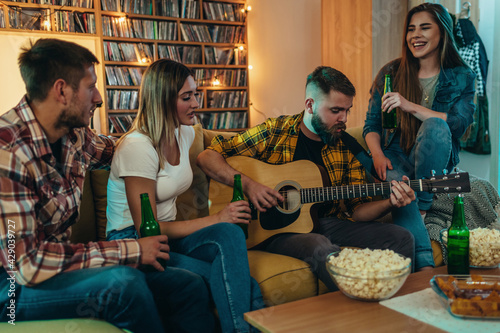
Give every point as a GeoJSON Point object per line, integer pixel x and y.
{"type": "Point", "coordinates": [282, 279]}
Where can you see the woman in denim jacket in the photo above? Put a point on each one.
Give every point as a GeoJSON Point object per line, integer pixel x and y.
{"type": "Point", "coordinates": [433, 97]}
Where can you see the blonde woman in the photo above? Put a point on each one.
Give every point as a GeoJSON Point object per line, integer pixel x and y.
{"type": "Point", "coordinates": [153, 157]}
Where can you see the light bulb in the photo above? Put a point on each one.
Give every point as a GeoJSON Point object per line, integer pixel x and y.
{"type": "Point", "coordinates": [250, 67]}
{"type": "Point", "coordinates": [241, 48]}
{"type": "Point", "coordinates": [121, 19]}
{"type": "Point", "coordinates": [249, 8]}
{"type": "Point", "coordinates": [216, 81]}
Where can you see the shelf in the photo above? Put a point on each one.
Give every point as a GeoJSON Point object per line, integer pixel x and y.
{"type": "Point", "coordinates": [186, 43]}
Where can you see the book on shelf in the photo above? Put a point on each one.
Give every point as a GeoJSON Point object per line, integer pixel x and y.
{"type": "Point", "coordinates": [2, 18]}
{"type": "Point", "coordinates": [27, 18]}
{"type": "Point", "coordinates": [227, 77]}
{"type": "Point", "coordinates": [120, 123]}
{"type": "Point", "coordinates": [133, 52]}
{"type": "Point", "coordinates": [168, 8]}
{"type": "Point", "coordinates": [189, 9]}
{"type": "Point", "coordinates": [227, 99]}
{"type": "Point", "coordinates": [66, 21]}
{"type": "Point", "coordinates": [223, 120]}
{"type": "Point", "coordinates": [72, 3]}
{"type": "Point", "coordinates": [183, 54]}
{"type": "Point", "coordinates": [218, 11]}
{"type": "Point", "coordinates": [122, 99]}
{"type": "Point", "coordinates": [123, 76]}
{"type": "Point", "coordinates": [31, 22]}
{"type": "Point", "coordinates": [144, 7]}
{"type": "Point", "coordinates": [224, 56]}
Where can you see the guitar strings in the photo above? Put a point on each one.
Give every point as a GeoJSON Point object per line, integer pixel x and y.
{"type": "Point", "coordinates": [346, 190]}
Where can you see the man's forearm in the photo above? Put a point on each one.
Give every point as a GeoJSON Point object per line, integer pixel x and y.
{"type": "Point", "coordinates": [372, 210]}
{"type": "Point", "coordinates": [215, 166]}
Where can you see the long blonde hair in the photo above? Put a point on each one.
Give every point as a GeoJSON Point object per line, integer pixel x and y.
{"type": "Point", "coordinates": [406, 79]}
{"type": "Point", "coordinates": [157, 115]}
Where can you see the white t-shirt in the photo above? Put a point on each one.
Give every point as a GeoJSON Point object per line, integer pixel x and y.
{"type": "Point", "coordinates": [136, 157]}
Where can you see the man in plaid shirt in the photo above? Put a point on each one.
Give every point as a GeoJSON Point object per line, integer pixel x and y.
{"type": "Point", "coordinates": [315, 135]}
{"type": "Point", "coordinates": [45, 149]}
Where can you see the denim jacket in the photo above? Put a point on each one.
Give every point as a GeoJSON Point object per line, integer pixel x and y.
{"type": "Point", "coordinates": [454, 96]}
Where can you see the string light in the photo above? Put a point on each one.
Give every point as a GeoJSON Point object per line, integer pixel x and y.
{"type": "Point", "coordinates": [244, 10]}
{"type": "Point", "coordinates": [216, 81]}
{"type": "Point", "coordinates": [241, 48]}
{"type": "Point", "coordinates": [250, 67]}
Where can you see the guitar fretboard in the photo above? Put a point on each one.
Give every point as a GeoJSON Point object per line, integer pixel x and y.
{"type": "Point", "coordinates": [319, 194]}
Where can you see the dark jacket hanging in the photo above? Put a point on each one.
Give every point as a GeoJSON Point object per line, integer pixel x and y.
{"type": "Point", "coordinates": [472, 50]}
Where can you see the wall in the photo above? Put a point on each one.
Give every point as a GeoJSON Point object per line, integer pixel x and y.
{"type": "Point", "coordinates": [347, 46]}
{"type": "Point", "coordinates": [13, 89]}
{"type": "Point", "coordinates": [284, 41]}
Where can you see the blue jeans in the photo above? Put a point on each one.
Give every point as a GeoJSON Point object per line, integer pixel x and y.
{"type": "Point", "coordinates": [431, 151]}
{"type": "Point", "coordinates": [218, 253]}
{"type": "Point", "coordinates": [121, 295]}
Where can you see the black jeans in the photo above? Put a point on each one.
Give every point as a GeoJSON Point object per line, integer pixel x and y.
{"type": "Point", "coordinates": [313, 248]}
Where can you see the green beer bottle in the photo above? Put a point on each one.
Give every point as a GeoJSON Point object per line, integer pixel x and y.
{"type": "Point", "coordinates": [458, 240]}
{"type": "Point", "coordinates": [237, 196]}
{"type": "Point", "coordinates": [389, 120]}
{"type": "Point", "coordinates": [149, 225]}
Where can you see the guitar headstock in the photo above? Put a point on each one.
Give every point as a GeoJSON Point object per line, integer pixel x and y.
{"type": "Point", "coordinates": [450, 183]}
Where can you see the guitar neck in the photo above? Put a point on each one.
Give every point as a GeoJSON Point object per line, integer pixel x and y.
{"type": "Point", "coordinates": [320, 194]}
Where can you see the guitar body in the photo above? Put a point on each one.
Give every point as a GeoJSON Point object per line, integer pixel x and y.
{"type": "Point", "coordinates": [292, 217]}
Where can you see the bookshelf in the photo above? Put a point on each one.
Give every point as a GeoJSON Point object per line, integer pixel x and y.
{"type": "Point", "coordinates": [208, 36]}
{"type": "Point", "coordinates": [73, 16]}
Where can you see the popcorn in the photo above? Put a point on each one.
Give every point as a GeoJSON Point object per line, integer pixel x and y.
{"type": "Point", "coordinates": [484, 247]}
{"type": "Point", "coordinates": [369, 274]}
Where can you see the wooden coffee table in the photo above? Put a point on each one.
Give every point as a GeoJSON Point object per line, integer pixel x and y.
{"type": "Point", "coordinates": [335, 312]}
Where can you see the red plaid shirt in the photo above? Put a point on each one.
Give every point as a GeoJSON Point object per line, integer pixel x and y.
{"type": "Point", "coordinates": [38, 203]}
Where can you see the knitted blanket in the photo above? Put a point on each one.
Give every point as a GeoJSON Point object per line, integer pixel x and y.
{"type": "Point", "coordinates": [481, 208]}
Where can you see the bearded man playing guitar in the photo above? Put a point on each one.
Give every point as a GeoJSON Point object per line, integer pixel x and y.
{"type": "Point", "coordinates": [315, 135]}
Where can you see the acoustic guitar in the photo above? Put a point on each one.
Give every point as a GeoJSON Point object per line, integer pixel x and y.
{"type": "Point", "coordinates": [293, 215]}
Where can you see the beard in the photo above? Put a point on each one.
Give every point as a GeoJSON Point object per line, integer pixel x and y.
{"type": "Point", "coordinates": [72, 117]}
{"type": "Point", "coordinates": [327, 135]}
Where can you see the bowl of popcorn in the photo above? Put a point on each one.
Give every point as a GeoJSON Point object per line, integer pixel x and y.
{"type": "Point", "coordinates": [368, 275]}
{"type": "Point", "coordinates": [484, 247]}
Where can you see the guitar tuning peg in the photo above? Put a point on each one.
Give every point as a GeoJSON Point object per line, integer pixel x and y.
{"type": "Point", "coordinates": [433, 173]}
{"type": "Point", "coordinates": [445, 171]}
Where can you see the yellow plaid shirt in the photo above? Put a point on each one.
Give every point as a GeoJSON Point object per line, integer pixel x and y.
{"type": "Point", "coordinates": [274, 142]}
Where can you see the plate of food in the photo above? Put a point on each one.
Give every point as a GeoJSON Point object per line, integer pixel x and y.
{"type": "Point", "coordinates": [469, 296]}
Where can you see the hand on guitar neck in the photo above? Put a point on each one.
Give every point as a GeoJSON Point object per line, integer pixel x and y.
{"type": "Point", "coordinates": [401, 195]}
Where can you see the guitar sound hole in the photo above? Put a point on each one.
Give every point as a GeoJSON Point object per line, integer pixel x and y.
{"type": "Point", "coordinates": [291, 200]}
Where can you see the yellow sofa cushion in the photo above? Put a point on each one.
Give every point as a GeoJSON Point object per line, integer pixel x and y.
{"type": "Point", "coordinates": [283, 279]}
